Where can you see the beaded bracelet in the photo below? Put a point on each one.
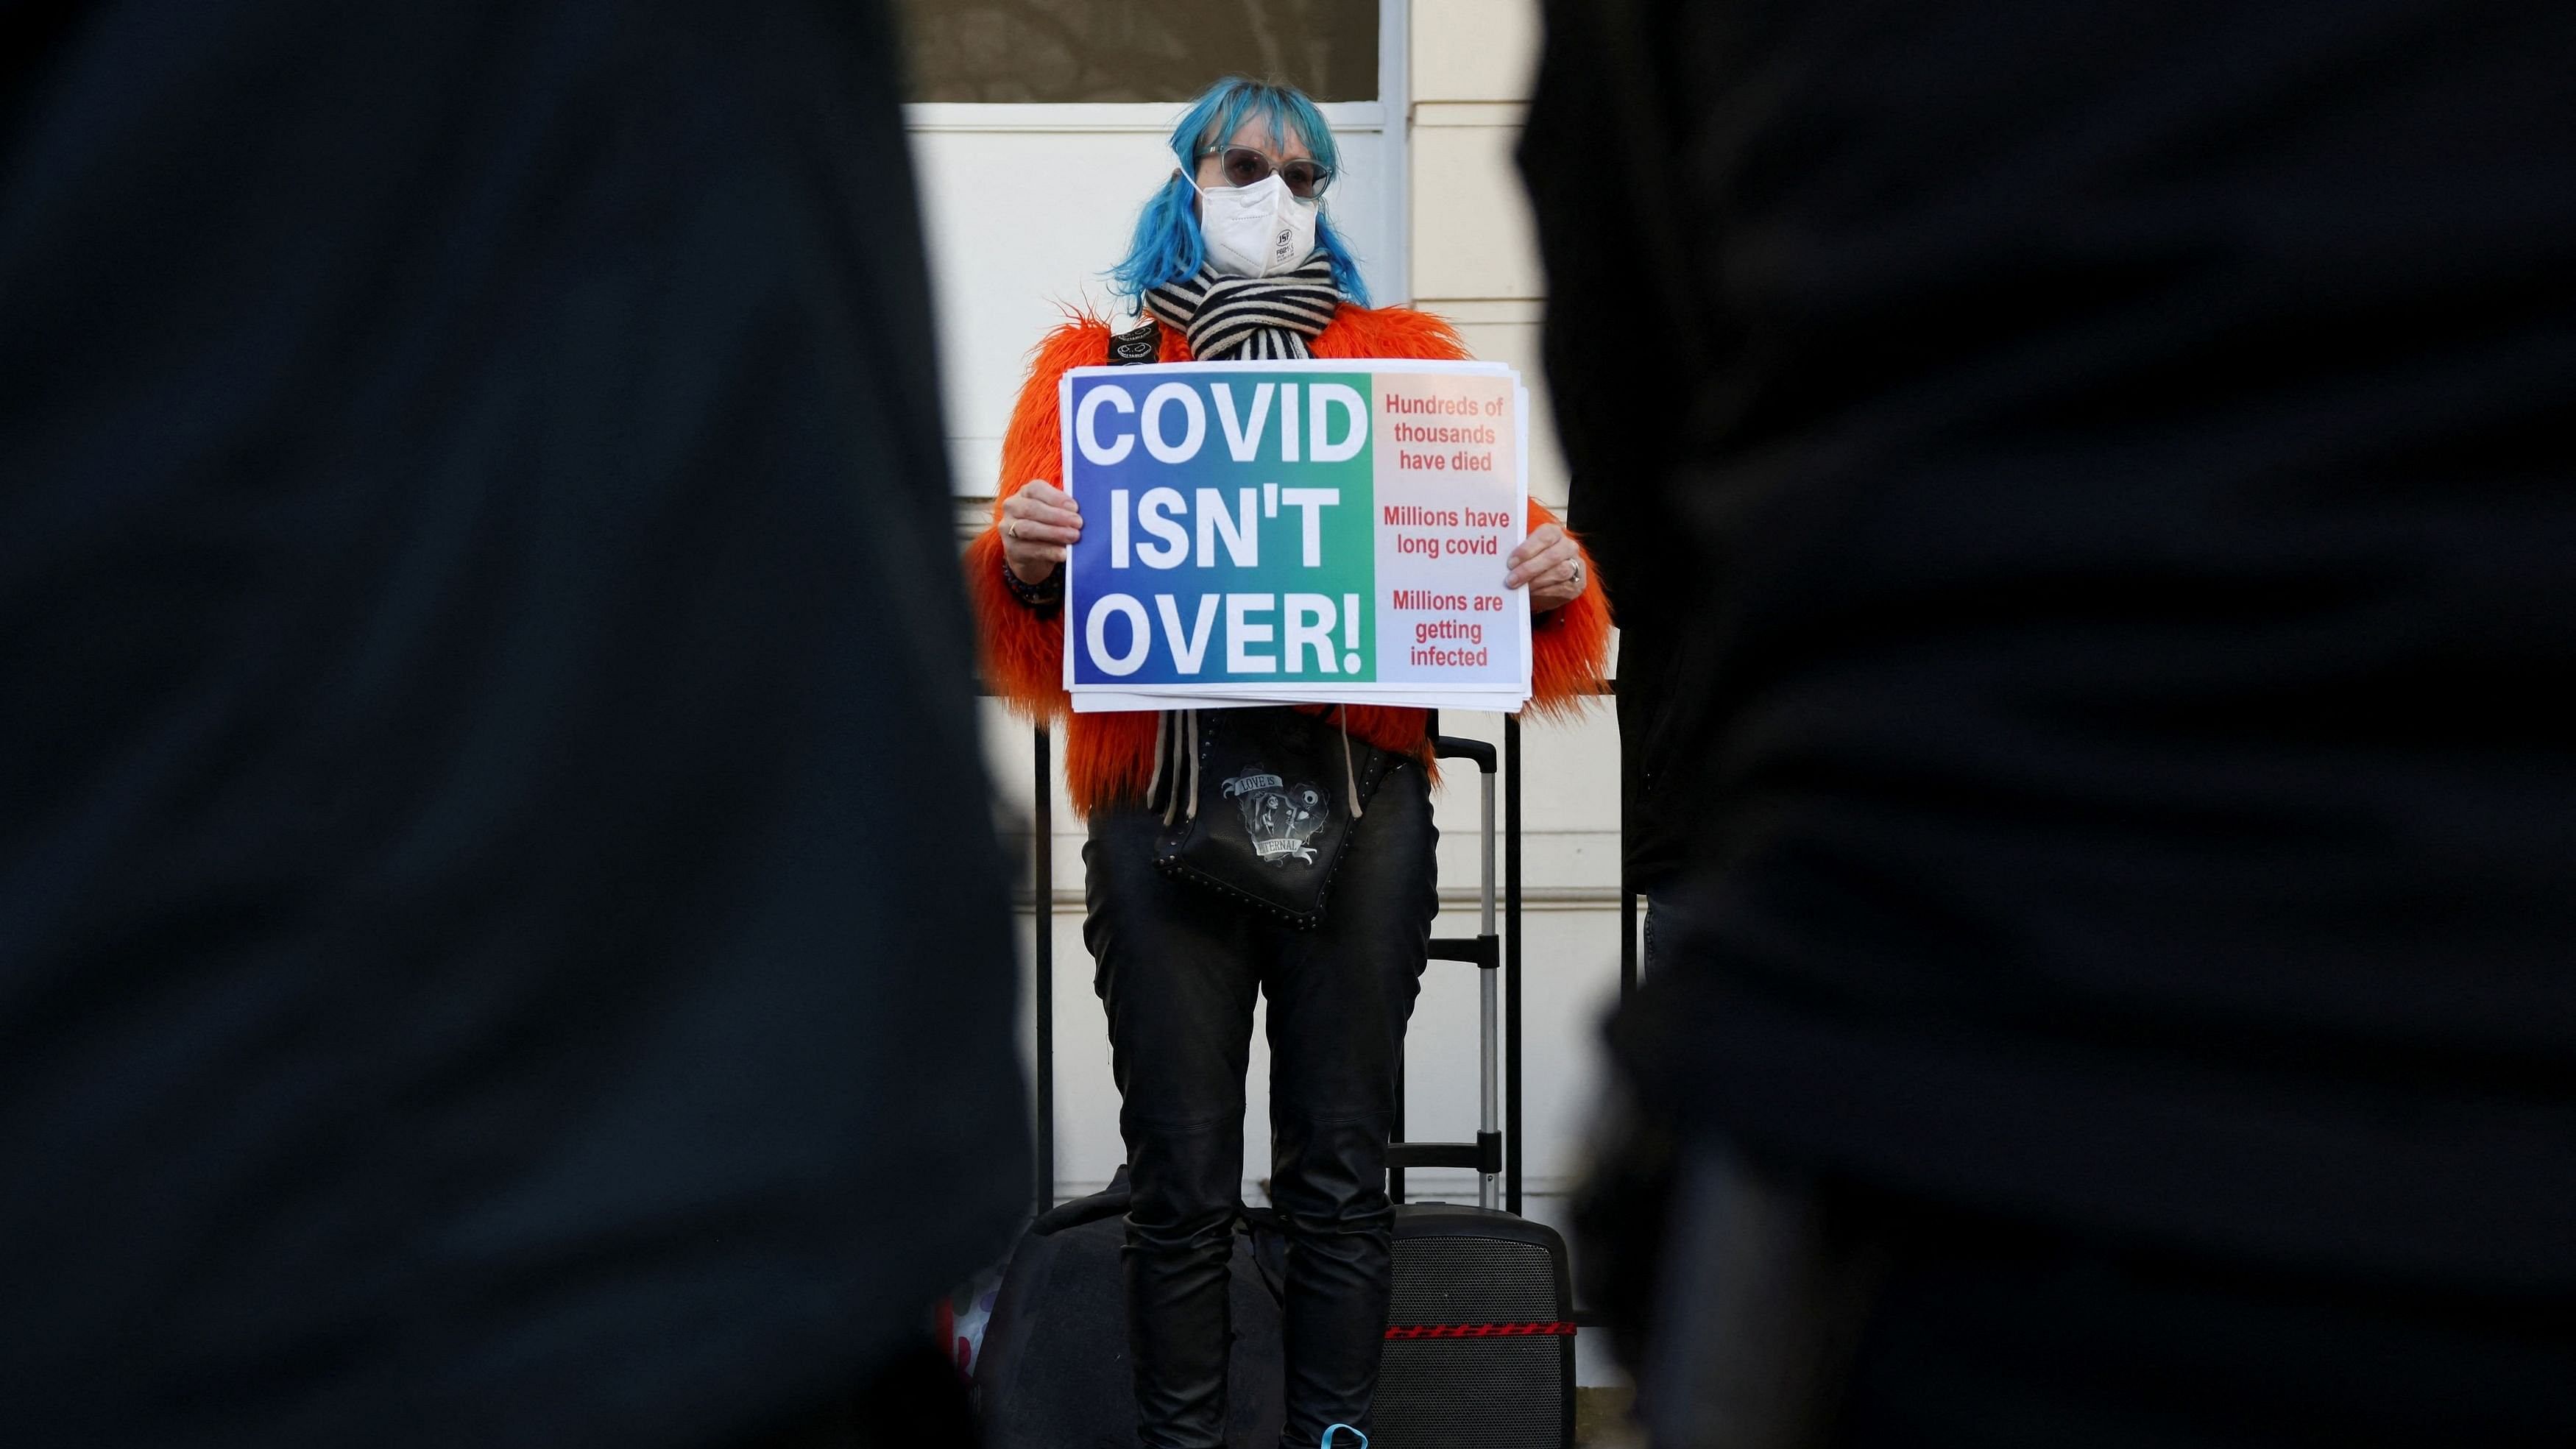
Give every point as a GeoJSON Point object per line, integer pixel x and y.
{"type": "Point", "coordinates": [1042, 595]}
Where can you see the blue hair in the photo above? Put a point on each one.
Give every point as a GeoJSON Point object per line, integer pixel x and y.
{"type": "Point", "coordinates": [1167, 246]}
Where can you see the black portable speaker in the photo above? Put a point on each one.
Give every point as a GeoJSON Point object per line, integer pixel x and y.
{"type": "Point", "coordinates": [1480, 1333]}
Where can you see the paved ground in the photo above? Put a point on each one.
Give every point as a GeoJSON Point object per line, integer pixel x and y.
{"type": "Point", "coordinates": [1601, 1420]}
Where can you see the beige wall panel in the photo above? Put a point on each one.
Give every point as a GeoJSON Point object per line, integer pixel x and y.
{"type": "Point", "coordinates": [1517, 345]}
{"type": "Point", "coordinates": [1569, 980]}
{"type": "Point", "coordinates": [1474, 50]}
{"type": "Point", "coordinates": [1569, 804]}
{"type": "Point", "coordinates": [1471, 223]}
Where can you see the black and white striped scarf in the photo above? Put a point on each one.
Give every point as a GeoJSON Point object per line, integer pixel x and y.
{"type": "Point", "coordinates": [1249, 318]}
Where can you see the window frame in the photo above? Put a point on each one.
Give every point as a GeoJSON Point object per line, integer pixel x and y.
{"type": "Point", "coordinates": [1389, 116]}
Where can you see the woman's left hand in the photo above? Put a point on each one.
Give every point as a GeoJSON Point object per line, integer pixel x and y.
{"type": "Point", "coordinates": [1550, 566]}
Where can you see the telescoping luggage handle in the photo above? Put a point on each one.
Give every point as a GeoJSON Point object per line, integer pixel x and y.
{"type": "Point", "coordinates": [1486, 1153]}
{"type": "Point", "coordinates": [1483, 951]}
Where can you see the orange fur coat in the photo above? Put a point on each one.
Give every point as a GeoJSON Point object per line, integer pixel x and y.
{"type": "Point", "coordinates": [1107, 757]}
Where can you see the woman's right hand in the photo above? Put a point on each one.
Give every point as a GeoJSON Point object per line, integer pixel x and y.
{"type": "Point", "coordinates": [1039, 523]}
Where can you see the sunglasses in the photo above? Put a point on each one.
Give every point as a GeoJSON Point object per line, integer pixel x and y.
{"type": "Point", "coordinates": [1247, 167]}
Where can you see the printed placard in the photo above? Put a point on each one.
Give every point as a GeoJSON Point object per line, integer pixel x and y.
{"type": "Point", "coordinates": [1321, 532]}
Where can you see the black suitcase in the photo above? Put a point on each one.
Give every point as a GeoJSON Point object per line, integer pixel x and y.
{"type": "Point", "coordinates": [1480, 1332]}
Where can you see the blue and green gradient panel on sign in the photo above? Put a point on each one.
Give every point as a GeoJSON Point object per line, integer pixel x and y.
{"type": "Point", "coordinates": [1227, 527]}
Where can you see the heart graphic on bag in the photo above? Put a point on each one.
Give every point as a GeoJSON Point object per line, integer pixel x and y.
{"type": "Point", "coordinates": [1279, 817]}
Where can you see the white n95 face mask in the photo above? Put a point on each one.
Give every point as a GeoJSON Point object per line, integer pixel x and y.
{"type": "Point", "coordinates": [1256, 230]}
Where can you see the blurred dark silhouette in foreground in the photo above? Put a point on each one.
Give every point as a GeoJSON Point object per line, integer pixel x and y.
{"type": "Point", "coordinates": [501, 940]}
{"type": "Point", "coordinates": [2117, 460]}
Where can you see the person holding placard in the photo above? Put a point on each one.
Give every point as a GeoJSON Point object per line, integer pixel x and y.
{"type": "Point", "coordinates": [1235, 259]}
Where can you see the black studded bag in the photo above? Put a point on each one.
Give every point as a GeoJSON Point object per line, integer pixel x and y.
{"type": "Point", "coordinates": [1259, 805]}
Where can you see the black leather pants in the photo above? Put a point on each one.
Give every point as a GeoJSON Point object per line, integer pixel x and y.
{"type": "Point", "coordinates": [1178, 967]}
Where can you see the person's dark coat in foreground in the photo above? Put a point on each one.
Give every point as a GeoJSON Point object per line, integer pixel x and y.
{"type": "Point", "coordinates": [2123, 463]}
{"type": "Point", "coordinates": [501, 939]}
